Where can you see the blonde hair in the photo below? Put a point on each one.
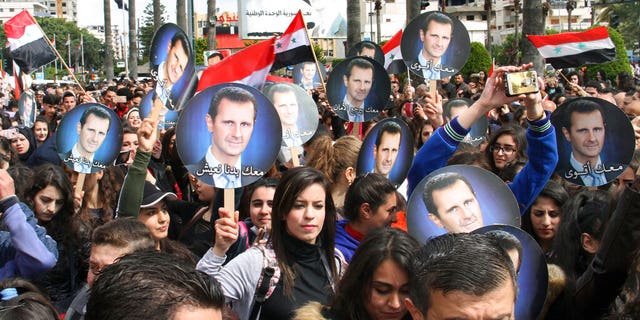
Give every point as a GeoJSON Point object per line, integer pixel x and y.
{"type": "Point", "coordinates": [333, 158]}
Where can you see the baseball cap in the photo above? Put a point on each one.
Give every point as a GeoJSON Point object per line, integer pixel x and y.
{"type": "Point", "coordinates": [152, 195]}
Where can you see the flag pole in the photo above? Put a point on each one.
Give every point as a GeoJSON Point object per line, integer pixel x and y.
{"type": "Point", "coordinates": [59, 57]}
{"type": "Point", "coordinates": [315, 59]}
{"type": "Point", "coordinates": [55, 64]}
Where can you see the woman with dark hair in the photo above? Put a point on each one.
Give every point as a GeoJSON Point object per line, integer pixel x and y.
{"type": "Point", "coordinates": [51, 199]}
{"type": "Point", "coordinates": [24, 144]}
{"type": "Point", "coordinates": [256, 206]}
{"type": "Point", "coordinates": [376, 283]}
{"type": "Point", "coordinates": [594, 248]}
{"type": "Point", "coordinates": [21, 299]}
{"type": "Point", "coordinates": [544, 216]}
{"type": "Point", "coordinates": [301, 252]}
{"type": "Point", "coordinates": [508, 144]}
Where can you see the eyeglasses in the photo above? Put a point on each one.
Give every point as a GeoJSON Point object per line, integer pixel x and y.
{"type": "Point", "coordinates": [505, 149]}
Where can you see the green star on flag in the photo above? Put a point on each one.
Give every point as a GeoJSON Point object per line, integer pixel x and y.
{"type": "Point", "coordinates": [278, 45]}
{"type": "Point", "coordinates": [557, 50]}
{"type": "Point", "coordinates": [293, 40]}
{"type": "Point", "coordinates": [581, 45]}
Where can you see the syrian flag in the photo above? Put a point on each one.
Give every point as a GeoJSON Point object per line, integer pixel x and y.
{"type": "Point", "coordinates": [18, 85]}
{"type": "Point", "coordinates": [293, 46]}
{"type": "Point", "coordinates": [392, 56]}
{"type": "Point", "coordinates": [27, 44]}
{"type": "Point", "coordinates": [573, 49]}
{"type": "Point", "coordinates": [248, 66]}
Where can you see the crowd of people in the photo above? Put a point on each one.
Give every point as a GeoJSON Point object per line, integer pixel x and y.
{"type": "Point", "coordinates": [145, 238]}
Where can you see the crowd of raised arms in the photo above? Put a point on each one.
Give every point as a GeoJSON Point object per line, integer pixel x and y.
{"type": "Point", "coordinates": [146, 239]}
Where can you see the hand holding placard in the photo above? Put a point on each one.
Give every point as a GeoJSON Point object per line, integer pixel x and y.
{"type": "Point", "coordinates": [226, 231]}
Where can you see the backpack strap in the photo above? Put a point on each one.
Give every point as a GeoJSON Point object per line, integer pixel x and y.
{"type": "Point", "coordinates": [269, 278]}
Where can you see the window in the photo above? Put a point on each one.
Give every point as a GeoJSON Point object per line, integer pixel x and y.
{"type": "Point", "coordinates": [470, 18]}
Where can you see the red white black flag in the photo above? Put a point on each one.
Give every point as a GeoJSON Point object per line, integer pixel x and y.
{"type": "Point", "coordinates": [573, 49]}
{"type": "Point", "coordinates": [27, 44]}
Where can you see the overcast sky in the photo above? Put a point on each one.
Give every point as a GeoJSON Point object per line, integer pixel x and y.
{"type": "Point", "coordinates": [90, 12]}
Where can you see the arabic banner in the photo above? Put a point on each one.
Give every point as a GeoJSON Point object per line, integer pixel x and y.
{"type": "Point", "coordinates": [261, 19]}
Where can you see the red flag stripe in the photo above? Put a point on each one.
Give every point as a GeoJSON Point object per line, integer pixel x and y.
{"type": "Point", "coordinates": [598, 33]}
{"type": "Point", "coordinates": [15, 27]}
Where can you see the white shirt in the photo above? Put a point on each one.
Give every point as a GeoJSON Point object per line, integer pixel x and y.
{"type": "Point", "coordinates": [354, 114]}
{"type": "Point", "coordinates": [222, 179]}
{"type": "Point", "coordinates": [80, 163]}
{"type": "Point", "coordinates": [592, 179]}
{"type": "Point", "coordinates": [429, 73]}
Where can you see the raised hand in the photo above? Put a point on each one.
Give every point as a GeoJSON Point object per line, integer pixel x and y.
{"type": "Point", "coordinates": [226, 231]}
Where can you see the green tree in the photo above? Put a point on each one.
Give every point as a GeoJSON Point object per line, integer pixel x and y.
{"type": "Point", "coordinates": [507, 54]}
{"type": "Point", "coordinates": [201, 47]}
{"type": "Point", "coordinates": [612, 68]}
{"type": "Point", "coordinates": [479, 59]}
{"type": "Point", "coordinates": [147, 30]}
{"type": "Point", "coordinates": [94, 51]}
{"type": "Point", "coordinates": [629, 17]}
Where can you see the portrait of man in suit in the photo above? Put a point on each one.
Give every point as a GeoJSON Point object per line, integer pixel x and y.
{"type": "Point", "coordinates": [436, 34]}
{"type": "Point", "coordinates": [170, 70]}
{"type": "Point", "coordinates": [230, 120]}
{"type": "Point", "coordinates": [92, 131]}
{"type": "Point", "coordinates": [386, 148]}
{"type": "Point", "coordinates": [585, 129]}
{"type": "Point", "coordinates": [358, 80]}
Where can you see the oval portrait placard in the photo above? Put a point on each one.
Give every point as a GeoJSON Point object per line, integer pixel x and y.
{"type": "Point", "coordinates": [358, 89]}
{"type": "Point", "coordinates": [595, 141]}
{"type": "Point", "coordinates": [435, 45]}
{"type": "Point", "coordinates": [172, 66]}
{"type": "Point", "coordinates": [530, 264]}
{"type": "Point", "coordinates": [298, 115]}
{"type": "Point", "coordinates": [228, 135]}
{"type": "Point", "coordinates": [89, 137]}
{"type": "Point", "coordinates": [388, 150]}
{"type": "Point", "coordinates": [459, 198]}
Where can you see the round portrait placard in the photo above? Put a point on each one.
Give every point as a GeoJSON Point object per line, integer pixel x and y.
{"type": "Point", "coordinates": [228, 135]}
{"type": "Point", "coordinates": [531, 268]}
{"type": "Point", "coordinates": [595, 141]}
{"type": "Point", "coordinates": [387, 149]}
{"type": "Point", "coordinates": [166, 119]}
{"type": "Point", "coordinates": [89, 137]}
{"type": "Point", "coordinates": [367, 49]}
{"type": "Point", "coordinates": [298, 115]}
{"type": "Point", "coordinates": [308, 76]}
{"type": "Point", "coordinates": [172, 66]}
{"type": "Point", "coordinates": [358, 89]}
{"type": "Point", "coordinates": [435, 45]}
{"type": "Point", "coordinates": [459, 198]}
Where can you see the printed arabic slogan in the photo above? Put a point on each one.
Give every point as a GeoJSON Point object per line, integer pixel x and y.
{"type": "Point", "coordinates": [595, 141]}
{"type": "Point", "coordinates": [228, 135]}
{"type": "Point", "coordinates": [89, 138]}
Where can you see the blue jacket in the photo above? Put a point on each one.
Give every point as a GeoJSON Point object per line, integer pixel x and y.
{"type": "Point", "coordinates": [25, 248]}
{"type": "Point", "coordinates": [344, 241]}
{"type": "Point", "coordinates": [528, 183]}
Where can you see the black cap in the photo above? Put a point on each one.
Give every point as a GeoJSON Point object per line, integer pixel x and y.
{"type": "Point", "coordinates": [152, 195]}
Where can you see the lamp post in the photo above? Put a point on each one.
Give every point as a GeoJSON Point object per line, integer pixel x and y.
{"type": "Point", "coordinates": [378, 7]}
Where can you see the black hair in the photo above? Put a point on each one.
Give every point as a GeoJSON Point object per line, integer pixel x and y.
{"type": "Point", "coordinates": [96, 111]}
{"type": "Point", "coordinates": [552, 190]}
{"type": "Point", "coordinates": [151, 285]}
{"type": "Point", "coordinates": [378, 246]}
{"type": "Point", "coordinates": [474, 264]}
{"type": "Point", "coordinates": [372, 188]}
{"type": "Point", "coordinates": [359, 63]}
{"type": "Point", "coordinates": [439, 18]}
{"type": "Point", "coordinates": [389, 127]}
{"type": "Point", "coordinates": [234, 94]}
{"type": "Point", "coordinates": [439, 182]}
